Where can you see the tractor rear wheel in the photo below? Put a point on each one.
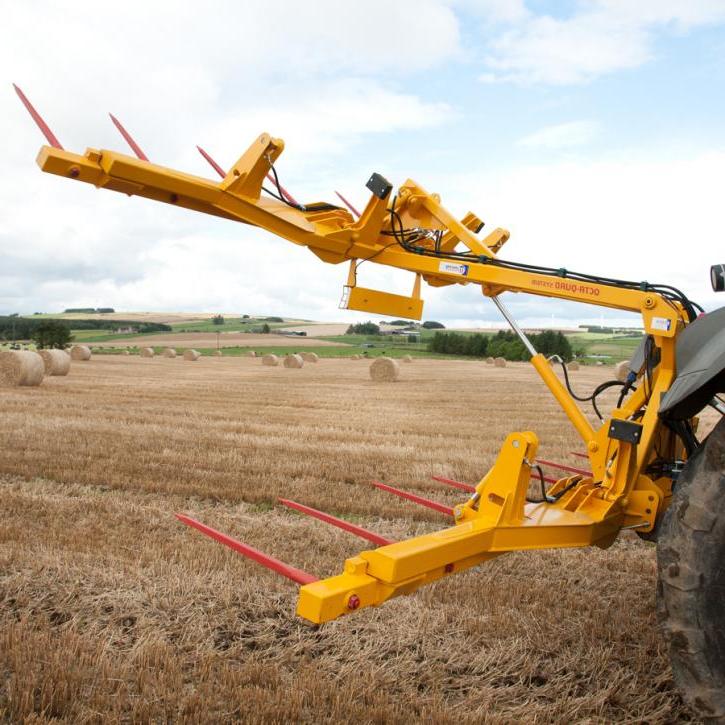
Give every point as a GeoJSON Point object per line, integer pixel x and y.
{"type": "Point", "coordinates": [691, 583]}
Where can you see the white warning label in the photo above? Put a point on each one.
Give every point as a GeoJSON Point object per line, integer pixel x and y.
{"type": "Point", "coordinates": [661, 323]}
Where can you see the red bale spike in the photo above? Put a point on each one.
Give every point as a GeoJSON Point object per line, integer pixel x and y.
{"type": "Point", "coordinates": [563, 467]}
{"type": "Point", "coordinates": [579, 455]}
{"type": "Point", "coordinates": [340, 523]}
{"type": "Point", "coordinates": [428, 503]}
{"type": "Point", "coordinates": [348, 204]}
{"type": "Point", "coordinates": [129, 139]}
{"type": "Point", "coordinates": [296, 575]}
{"type": "Point", "coordinates": [42, 125]}
{"type": "Point", "coordinates": [223, 173]}
{"type": "Point", "coordinates": [456, 484]}
{"type": "Point", "coordinates": [282, 190]}
{"type": "Point", "coordinates": [212, 163]}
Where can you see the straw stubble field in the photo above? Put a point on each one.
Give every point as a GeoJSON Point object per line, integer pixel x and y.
{"type": "Point", "coordinates": [111, 609]}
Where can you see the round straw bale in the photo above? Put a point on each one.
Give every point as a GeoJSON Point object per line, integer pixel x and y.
{"type": "Point", "coordinates": [384, 370]}
{"type": "Point", "coordinates": [309, 357]}
{"type": "Point", "coordinates": [573, 365]}
{"type": "Point", "coordinates": [407, 358]}
{"type": "Point", "coordinates": [21, 367]}
{"type": "Point", "coordinates": [191, 355]}
{"type": "Point", "coordinates": [80, 352]}
{"type": "Point", "coordinates": [146, 352]}
{"type": "Point", "coordinates": [170, 352]}
{"type": "Point", "coordinates": [293, 361]}
{"type": "Point", "coordinates": [489, 361]}
{"type": "Point", "coordinates": [355, 357]}
{"type": "Point", "coordinates": [218, 353]}
{"type": "Point", "coordinates": [621, 370]}
{"type": "Point", "coordinates": [252, 354]}
{"type": "Point", "coordinates": [271, 360]}
{"type": "Point", "coordinates": [57, 362]}
{"type": "Point", "coordinates": [499, 362]}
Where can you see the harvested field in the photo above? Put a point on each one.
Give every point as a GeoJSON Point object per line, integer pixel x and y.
{"type": "Point", "coordinates": [202, 340]}
{"type": "Point", "coordinates": [112, 609]}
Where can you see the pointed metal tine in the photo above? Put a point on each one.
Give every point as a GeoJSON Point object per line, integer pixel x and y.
{"type": "Point", "coordinates": [348, 204]}
{"type": "Point", "coordinates": [282, 190]}
{"type": "Point", "coordinates": [340, 523]}
{"type": "Point", "coordinates": [296, 575]}
{"type": "Point", "coordinates": [41, 124]}
{"type": "Point", "coordinates": [579, 455]}
{"type": "Point", "coordinates": [428, 503]}
{"type": "Point", "coordinates": [455, 484]}
{"type": "Point", "coordinates": [129, 139]}
{"type": "Point", "coordinates": [563, 467]}
{"type": "Point", "coordinates": [211, 161]}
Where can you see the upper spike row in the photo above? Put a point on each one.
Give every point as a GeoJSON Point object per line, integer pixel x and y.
{"type": "Point", "coordinates": [53, 141]}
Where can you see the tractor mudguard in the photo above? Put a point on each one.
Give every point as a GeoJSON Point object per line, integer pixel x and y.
{"type": "Point", "coordinates": [700, 356]}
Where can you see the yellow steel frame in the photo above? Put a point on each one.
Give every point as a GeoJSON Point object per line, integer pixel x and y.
{"type": "Point", "coordinates": [496, 519]}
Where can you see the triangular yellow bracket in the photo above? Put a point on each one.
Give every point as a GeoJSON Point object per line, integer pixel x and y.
{"type": "Point", "coordinates": [246, 177]}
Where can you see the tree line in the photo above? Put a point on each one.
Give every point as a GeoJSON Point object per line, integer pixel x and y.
{"type": "Point", "coordinates": [503, 344]}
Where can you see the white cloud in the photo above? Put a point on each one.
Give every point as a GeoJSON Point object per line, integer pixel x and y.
{"type": "Point", "coordinates": [177, 75]}
{"type": "Point", "coordinates": [561, 136]}
{"type": "Point", "coordinates": [602, 37]}
{"type": "Point", "coordinates": [628, 217]}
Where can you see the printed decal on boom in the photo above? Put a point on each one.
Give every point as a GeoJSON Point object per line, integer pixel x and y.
{"type": "Point", "coordinates": [452, 268]}
{"type": "Point", "coordinates": [566, 286]}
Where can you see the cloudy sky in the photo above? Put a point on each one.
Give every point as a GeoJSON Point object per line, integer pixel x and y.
{"type": "Point", "coordinates": [593, 130]}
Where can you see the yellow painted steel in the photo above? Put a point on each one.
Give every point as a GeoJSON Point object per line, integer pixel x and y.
{"type": "Point", "coordinates": [582, 511]}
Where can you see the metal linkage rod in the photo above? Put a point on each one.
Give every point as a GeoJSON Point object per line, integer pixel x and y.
{"type": "Point", "coordinates": [514, 325]}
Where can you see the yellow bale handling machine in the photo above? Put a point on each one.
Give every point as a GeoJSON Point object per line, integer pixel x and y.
{"type": "Point", "coordinates": [647, 469]}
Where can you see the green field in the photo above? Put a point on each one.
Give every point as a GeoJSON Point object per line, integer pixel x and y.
{"type": "Point", "coordinates": [588, 347]}
{"type": "Point", "coordinates": [231, 324]}
{"type": "Point", "coordinates": [616, 347]}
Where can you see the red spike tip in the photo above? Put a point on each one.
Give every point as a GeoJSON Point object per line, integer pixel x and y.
{"type": "Point", "coordinates": [456, 484]}
{"type": "Point", "coordinates": [340, 523]}
{"type": "Point", "coordinates": [296, 575]}
{"type": "Point", "coordinates": [41, 124]}
{"type": "Point", "coordinates": [348, 204]}
{"type": "Point", "coordinates": [563, 467]}
{"type": "Point", "coordinates": [129, 139]}
{"type": "Point", "coordinates": [428, 503]}
{"type": "Point", "coordinates": [282, 190]}
{"type": "Point", "coordinates": [212, 163]}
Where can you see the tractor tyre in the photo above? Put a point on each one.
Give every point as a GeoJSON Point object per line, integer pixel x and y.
{"type": "Point", "coordinates": [691, 579]}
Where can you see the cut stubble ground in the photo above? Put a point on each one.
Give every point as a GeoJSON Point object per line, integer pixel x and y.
{"type": "Point", "coordinates": [111, 609]}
